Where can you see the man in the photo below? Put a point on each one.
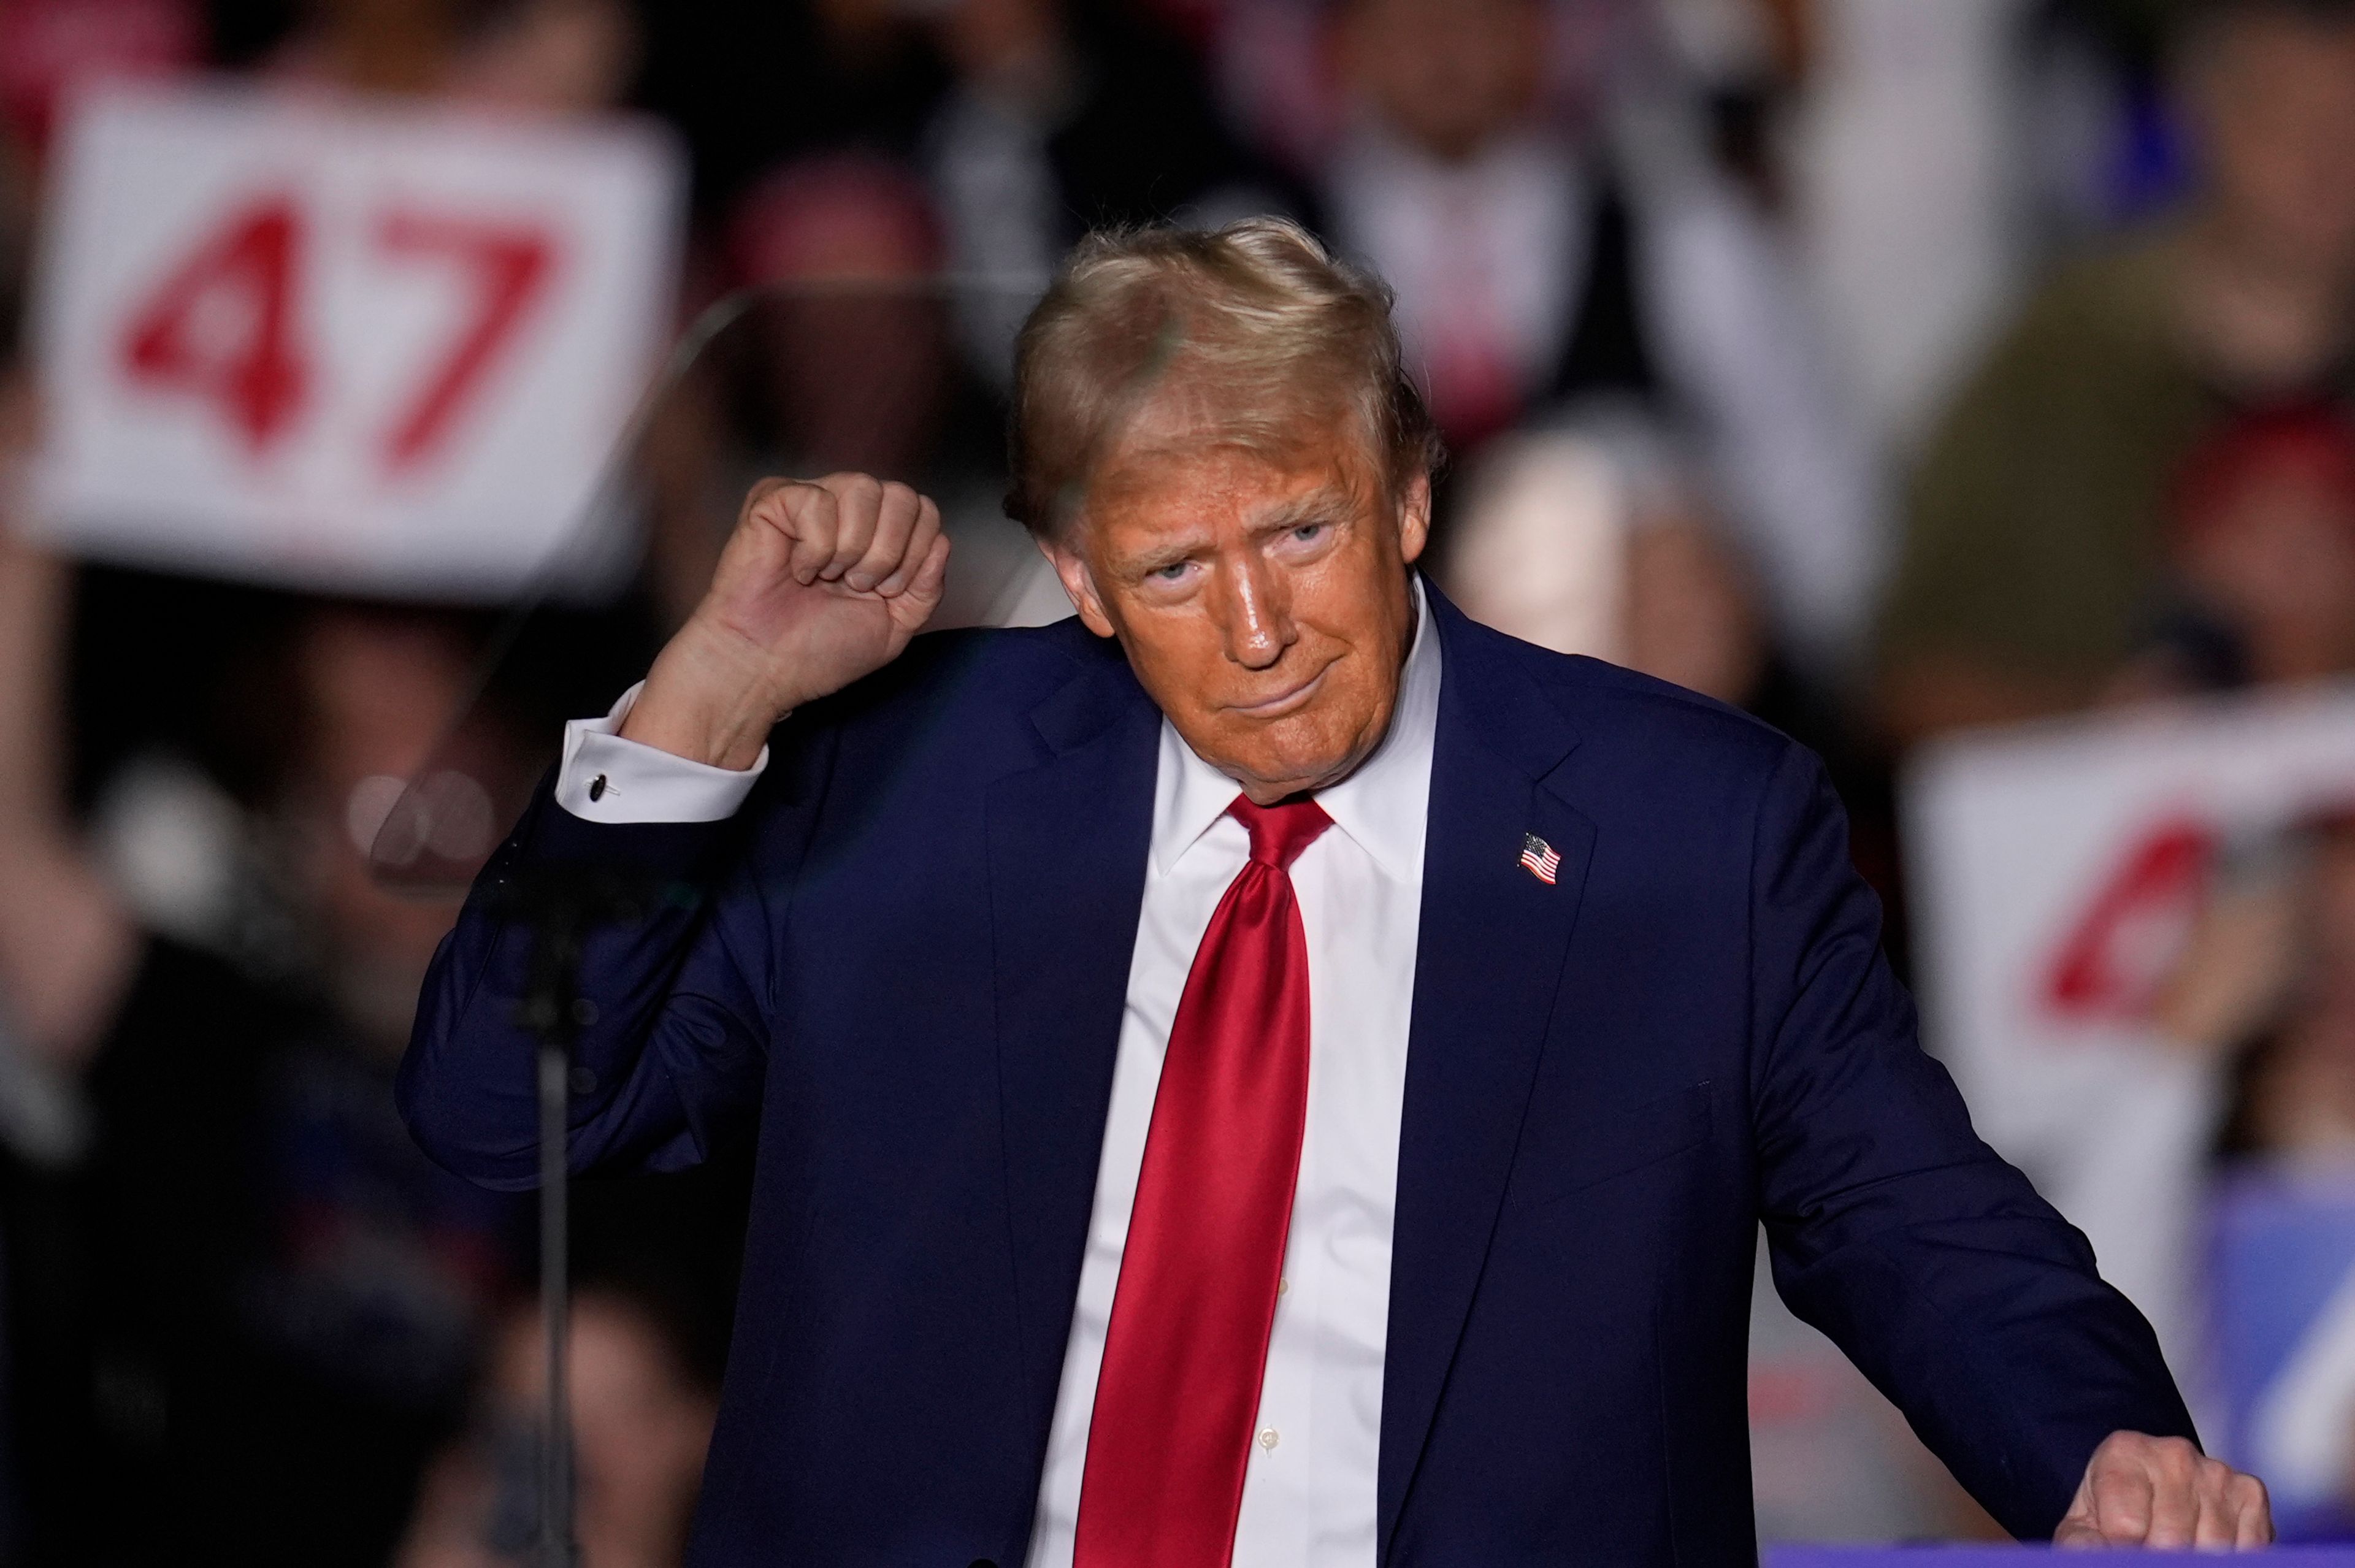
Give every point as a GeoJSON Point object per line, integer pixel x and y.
{"type": "Point", "coordinates": [1268, 1070]}
{"type": "Point", "coordinates": [2032, 566]}
{"type": "Point", "coordinates": [1543, 273]}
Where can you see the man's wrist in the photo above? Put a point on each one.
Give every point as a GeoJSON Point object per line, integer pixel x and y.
{"type": "Point", "coordinates": [704, 701]}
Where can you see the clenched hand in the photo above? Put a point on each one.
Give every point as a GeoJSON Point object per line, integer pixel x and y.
{"type": "Point", "coordinates": [821, 583]}
{"type": "Point", "coordinates": [2162, 1491]}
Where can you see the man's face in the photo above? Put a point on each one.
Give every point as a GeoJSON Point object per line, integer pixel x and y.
{"type": "Point", "coordinates": [1448, 75]}
{"type": "Point", "coordinates": [2278, 556]}
{"type": "Point", "coordinates": [1261, 600]}
{"type": "Point", "coordinates": [2276, 100]}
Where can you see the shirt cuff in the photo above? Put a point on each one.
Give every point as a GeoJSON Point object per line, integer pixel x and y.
{"type": "Point", "coordinates": [604, 778]}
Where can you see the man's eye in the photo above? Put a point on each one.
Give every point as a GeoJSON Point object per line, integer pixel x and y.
{"type": "Point", "coordinates": [1307, 532]}
{"type": "Point", "coordinates": [1171, 573]}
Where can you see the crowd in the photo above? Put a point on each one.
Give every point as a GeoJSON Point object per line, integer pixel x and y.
{"type": "Point", "coordinates": [1889, 368]}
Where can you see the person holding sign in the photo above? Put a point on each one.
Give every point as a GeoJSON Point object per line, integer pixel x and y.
{"type": "Point", "coordinates": [1268, 1070]}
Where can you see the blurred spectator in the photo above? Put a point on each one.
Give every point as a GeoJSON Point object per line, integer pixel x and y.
{"type": "Point", "coordinates": [860, 365]}
{"type": "Point", "coordinates": [2238, 1045]}
{"type": "Point", "coordinates": [2259, 565]}
{"type": "Point", "coordinates": [1537, 268]}
{"type": "Point", "coordinates": [550, 56]}
{"type": "Point", "coordinates": [248, 1307]}
{"type": "Point", "coordinates": [1061, 117]}
{"type": "Point", "coordinates": [1277, 76]}
{"type": "Point", "coordinates": [1906, 145]}
{"type": "Point", "coordinates": [2297, 1094]}
{"type": "Point", "coordinates": [50, 48]}
{"type": "Point", "coordinates": [849, 360]}
{"type": "Point", "coordinates": [2033, 552]}
{"type": "Point", "coordinates": [2265, 983]}
{"type": "Point", "coordinates": [642, 1413]}
{"type": "Point", "coordinates": [2102, 141]}
{"type": "Point", "coordinates": [1592, 539]}
{"type": "Point", "coordinates": [375, 45]}
{"type": "Point", "coordinates": [755, 86]}
{"type": "Point", "coordinates": [556, 56]}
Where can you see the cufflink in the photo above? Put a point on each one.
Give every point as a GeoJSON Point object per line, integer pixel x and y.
{"type": "Point", "coordinates": [597, 787]}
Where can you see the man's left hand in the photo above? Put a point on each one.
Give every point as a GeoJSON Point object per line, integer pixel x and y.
{"type": "Point", "coordinates": [2162, 1491]}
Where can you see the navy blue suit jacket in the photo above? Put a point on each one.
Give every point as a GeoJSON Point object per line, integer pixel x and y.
{"type": "Point", "coordinates": [902, 967]}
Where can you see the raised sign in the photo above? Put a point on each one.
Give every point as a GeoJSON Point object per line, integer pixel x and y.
{"type": "Point", "coordinates": [2056, 873]}
{"type": "Point", "coordinates": [342, 344]}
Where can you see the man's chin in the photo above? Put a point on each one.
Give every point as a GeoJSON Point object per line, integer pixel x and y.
{"type": "Point", "coordinates": [1285, 756]}
{"type": "Point", "coordinates": [1270, 778]}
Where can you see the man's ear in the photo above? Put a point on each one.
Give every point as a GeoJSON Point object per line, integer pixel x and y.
{"type": "Point", "coordinates": [1414, 519]}
{"type": "Point", "coordinates": [1080, 584]}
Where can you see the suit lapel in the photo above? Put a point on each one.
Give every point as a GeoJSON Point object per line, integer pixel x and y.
{"type": "Point", "coordinates": [1489, 960]}
{"type": "Point", "coordinates": [1068, 842]}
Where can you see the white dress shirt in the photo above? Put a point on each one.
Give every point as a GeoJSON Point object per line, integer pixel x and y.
{"type": "Point", "coordinates": [1309, 1494]}
{"type": "Point", "coordinates": [603, 778]}
{"type": "Point", "coordinates": [1513, 215]}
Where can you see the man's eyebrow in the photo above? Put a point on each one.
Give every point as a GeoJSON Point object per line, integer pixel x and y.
{"type": "Point", "coordinates": [1328, 502]}
{"type": "Point", "coordinates": [1145, 562]}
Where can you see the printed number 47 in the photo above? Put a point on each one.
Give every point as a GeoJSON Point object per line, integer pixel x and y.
{"type": "Point", "coordinates": [222, 326]}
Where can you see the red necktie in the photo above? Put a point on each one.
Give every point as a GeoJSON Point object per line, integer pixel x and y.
{"type": "Point", "coordinates": [1179, 1391]}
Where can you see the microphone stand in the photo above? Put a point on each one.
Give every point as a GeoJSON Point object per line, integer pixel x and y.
{"type": "Point", "coordinates": [561, 905]}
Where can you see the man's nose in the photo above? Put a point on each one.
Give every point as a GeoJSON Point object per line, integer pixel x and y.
{"type": "Point", "coordinates": [1257, 615]}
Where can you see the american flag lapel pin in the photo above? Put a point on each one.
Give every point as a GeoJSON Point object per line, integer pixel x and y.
{"type": "Point", "coordinates": [1541, 859]}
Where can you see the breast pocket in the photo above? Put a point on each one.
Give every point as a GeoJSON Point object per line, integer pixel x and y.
{"type": "Point", "coordinates": [1600, 1148]}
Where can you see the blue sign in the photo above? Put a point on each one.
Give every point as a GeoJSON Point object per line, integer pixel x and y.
{"type": "Point", "coordinates": [2282, 1325]}
{"type": "Point", "coordinates": [2009, 1556]}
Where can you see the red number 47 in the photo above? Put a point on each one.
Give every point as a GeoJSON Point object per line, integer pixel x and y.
{"type": "Point", "coordinates": [222, 326]}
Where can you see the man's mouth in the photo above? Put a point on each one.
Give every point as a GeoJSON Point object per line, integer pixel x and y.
{"type": "Point", "coordinates": [1289, 700]}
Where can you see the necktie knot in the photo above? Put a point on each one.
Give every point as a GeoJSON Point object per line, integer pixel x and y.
{"type": "Point", "coordinates": [1280, 832]}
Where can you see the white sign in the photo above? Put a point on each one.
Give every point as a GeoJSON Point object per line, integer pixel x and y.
{"type": "Point", "coordinates": [340, 345]}
{"type": "Point", "coordinates": [2056, 872]}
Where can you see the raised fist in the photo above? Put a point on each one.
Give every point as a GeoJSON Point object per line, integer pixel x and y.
{"type": "Point", "coordinates": [822, 582]}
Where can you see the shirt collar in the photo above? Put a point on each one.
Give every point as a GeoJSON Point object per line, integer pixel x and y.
{"type": "Point", "coordinates": [1383, 805]}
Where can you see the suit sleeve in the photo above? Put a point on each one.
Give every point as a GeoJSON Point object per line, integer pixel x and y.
{"type": "Point", "coordinates": [1965, 1298]}
{"type": "Point", "coordinates": [676, 1004]}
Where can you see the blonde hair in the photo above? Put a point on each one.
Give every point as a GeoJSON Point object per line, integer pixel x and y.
{"type": "Point", "coordinates": [1254, 333]}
